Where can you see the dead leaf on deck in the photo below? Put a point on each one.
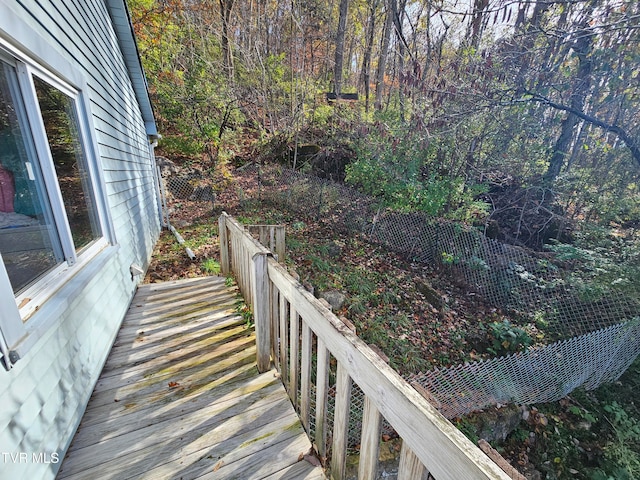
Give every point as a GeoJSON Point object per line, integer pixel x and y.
{"type": "Point", "coordinates": [311, 457]}
{"type": "Point", "coordinates": [173, 384]}
{"type": "Point", "coordinates": [218, 465]}
{"type": "Point", "coordinates": [313, 460]}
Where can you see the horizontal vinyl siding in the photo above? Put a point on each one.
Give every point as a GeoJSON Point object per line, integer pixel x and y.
{"type": "Point", "coordinates": [44, 396]}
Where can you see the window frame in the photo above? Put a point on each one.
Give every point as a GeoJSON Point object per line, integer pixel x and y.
{"type": "Point", "coordinates": [26, 317]}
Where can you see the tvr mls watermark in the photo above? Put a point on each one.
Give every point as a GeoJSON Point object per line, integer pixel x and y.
{"type": "Point", "coordinates": [34, 457]}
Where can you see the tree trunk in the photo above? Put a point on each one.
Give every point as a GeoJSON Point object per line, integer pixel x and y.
{"type": "Point", "coordinates": [227, 56]}
{"type": "Point", "coordinates": [582, 47]}
{"type": "Point", "coordinates": [398, 14]}
{"type": "Point", "coordinates": [475, 27]}
{"type": "Point", "coordinates": [365, 73]}
{"type": "Point", "coordinates": [339, 57]}
{"type": "Point", "coordinates": [382, 60]}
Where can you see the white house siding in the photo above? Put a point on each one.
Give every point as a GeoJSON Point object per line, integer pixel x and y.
{"type": "Point", "coordinates": [44, 396]}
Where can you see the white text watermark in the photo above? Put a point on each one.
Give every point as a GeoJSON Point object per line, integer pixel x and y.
{"type": "Point", "coordinates": [33, 457]}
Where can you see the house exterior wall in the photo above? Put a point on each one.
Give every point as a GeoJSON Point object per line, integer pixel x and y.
{"type": "Point", "coordinates": [45, 394]}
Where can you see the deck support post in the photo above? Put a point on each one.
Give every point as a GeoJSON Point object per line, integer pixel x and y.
{"type": "Point", "coordinates": [261, 310]}
{"type": "Point", "coordinates": [224, 244]}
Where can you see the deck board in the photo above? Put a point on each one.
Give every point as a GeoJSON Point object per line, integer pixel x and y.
{"type": "Point", "coordinates": [180, 397]}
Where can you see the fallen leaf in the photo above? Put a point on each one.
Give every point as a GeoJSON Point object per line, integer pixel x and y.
{"type": "Point", "coordinates": [313, 460]}
{"type": "Point", "coordinates": [218, 465]}
{"type": "Point", "coordinates": [173, 384]}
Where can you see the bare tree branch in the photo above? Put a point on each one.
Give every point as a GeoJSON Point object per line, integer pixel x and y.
{"type": "Point", "coordinates": [631, 143]}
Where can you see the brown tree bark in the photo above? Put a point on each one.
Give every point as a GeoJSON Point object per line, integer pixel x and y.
{"type": "Point", "coordinates": [339, 56]}
{"type": "Point", "coordinates": [382, 60]}
{"type": "Point", "coordinates": [475, 27]}
{"type": "Point", "coordinates": [582, 47]}
{"type": "Point", "coordinates": [227, 55]}
{"type": "Point", "coordinates": [365, 73]}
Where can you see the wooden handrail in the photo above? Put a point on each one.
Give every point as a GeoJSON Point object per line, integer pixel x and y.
{"type": "Point", "coordinates": [429, 440]}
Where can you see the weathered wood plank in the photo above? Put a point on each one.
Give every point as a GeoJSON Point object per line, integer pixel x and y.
{"type": "Point", "coordinates": [224, 244]}
{"type": "Point", "coordinates": [410, 466]}
{"type": "Point", "coordinates": [305, 377]}
{"type": "Point", "coordinates": [261, 317]}
{"type": "Point", "coordinates": [141, 445]}
{"type": "Point", "coordinates": [341, 423]}
{"type": "Point", "coordinates": [110, 424]}
{"type": "Point", "coordinates": [143, 350]}
{"type": "Point", "coordinates": [188, 370]}
{"type": "Point", "coordinates": [275, 325]}
{"type": "Point", "coordinates": [117, 411]}
{"type": "Point", "coordinates": [369, 441]}
{"type": "Point", "coordinates": [186, 400]}
{"type": "Point", "coordinates": [302, 470]}
{"type": "Point", "coordinates": [322, 390]}
{"type": "Point", "coordinates": [280, 243]}
{"type": "Point", "coordinates": [265, 460]}
{"type": "Point", "coordinates": [294, 352]}
{"type": "Point", "coordinates": [168, 311]}
{"type": "Point", "coordinates": [207, 456]}
{"type": "Point", "coordinates": [282, 340]}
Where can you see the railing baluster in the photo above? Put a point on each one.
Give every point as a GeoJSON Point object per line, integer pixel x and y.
{"type": "Point", "coordinates": [263, 233]}
{"type": "Point", "coordinates": [322, 387]}
{"type": "Point", "coordinates": [410, 466]}
{"type": "Point", "coordinates": [305, 377]}
{"type": "Point", "coordinates": [284, 367]}
{"type": "Point", "coordinates": [294, 354]}
{"type": "Point", "coordinates": [275, 326]}
{"type": "Point", "coordinates": [341, 423]}
{"type": "Point", "coordinates": [369, 441]}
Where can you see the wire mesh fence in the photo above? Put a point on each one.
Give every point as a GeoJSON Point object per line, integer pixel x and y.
{"type": "Point", "coordinates": [187, 192]}
{"type": "Point", "coordinates": [589, 340]}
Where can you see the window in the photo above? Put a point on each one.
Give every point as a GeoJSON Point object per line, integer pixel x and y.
{"type": "Point", "coordinates": [52, 218]}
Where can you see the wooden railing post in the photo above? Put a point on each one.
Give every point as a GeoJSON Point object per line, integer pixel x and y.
{"type": "Point", "coordinates": [224, 244]}
{"type": "Point", "coordinates": [261, 296]}
{"type": "Point", "coordinates": [410, 465]}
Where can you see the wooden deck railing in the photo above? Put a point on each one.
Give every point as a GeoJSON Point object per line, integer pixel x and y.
{"type": "Point", "coordinates": [300, 334]}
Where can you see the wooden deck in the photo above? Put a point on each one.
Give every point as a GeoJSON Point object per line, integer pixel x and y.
{"type": "Point", "coordinates": [180, 397]}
